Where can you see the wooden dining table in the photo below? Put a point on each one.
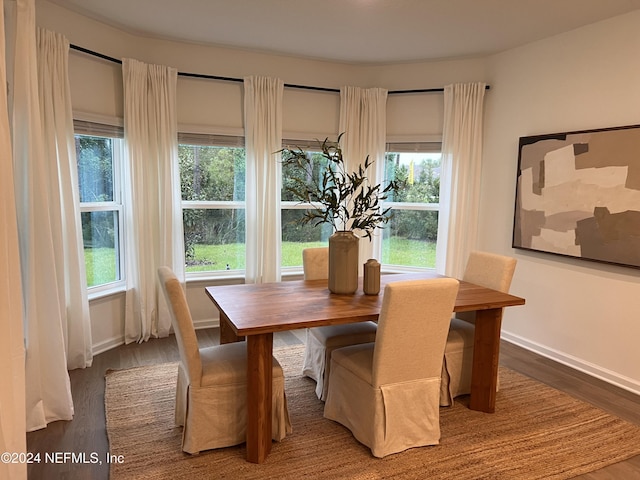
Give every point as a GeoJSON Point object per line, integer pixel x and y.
{"type": "Point", "coordinates": [256, 311]}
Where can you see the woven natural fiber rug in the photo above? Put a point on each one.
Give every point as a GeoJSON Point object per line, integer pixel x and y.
{"type": "Point", "coordinates": [536, 432]}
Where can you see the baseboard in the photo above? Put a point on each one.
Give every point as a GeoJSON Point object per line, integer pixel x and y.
{"type": "Point", "coordinates": [108, 344]}
{"type": "Point", "coordinates": [206, 323]}
{"type": "Point", "coordinates": [591, 369]}
{"type": "Point", "coordinates": [114, 342]}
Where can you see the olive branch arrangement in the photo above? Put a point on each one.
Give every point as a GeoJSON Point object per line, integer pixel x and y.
{"type": "Point", "coordinates": [347, 201]}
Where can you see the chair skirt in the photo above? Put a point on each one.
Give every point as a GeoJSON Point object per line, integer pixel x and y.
{"type": "Point", "coordinates": [388, 419]}
{"type": "Point", "coordinates": [215, 415]}
{"type": "Point", "coordinates": [458, 361]}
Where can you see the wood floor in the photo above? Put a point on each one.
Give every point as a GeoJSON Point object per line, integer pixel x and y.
{"type": "Point", "coordinates": [87, 432]}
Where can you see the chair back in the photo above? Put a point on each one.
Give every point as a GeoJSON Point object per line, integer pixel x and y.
{"type": "Point", "coordinates": [412, 330]}
{"type": "Point", "coordinates": [182, 324]}
{"type": "Point", "coordinates": [315, 263]}
{"type": "Point", "coordinates": [490, 270]}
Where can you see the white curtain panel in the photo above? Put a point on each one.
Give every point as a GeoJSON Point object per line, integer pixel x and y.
{"type": "Point", "coordinates": [363, 122]}
{"type": "Point", "coordinates": [263, 138]}
{"type": "Point", "coordinates": [460, 176]}
{"type": "Point", "coordinates": [12, 381]}
{"type": "Point", "coordinates": [152, 195]}
{"type": "Point", "coordinates": [48, 392]}
{"type": "Point", "coordinates": [57, 122]}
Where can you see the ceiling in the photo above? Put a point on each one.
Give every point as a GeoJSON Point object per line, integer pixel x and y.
{"type": "Point", "coordinates": [354, 31]}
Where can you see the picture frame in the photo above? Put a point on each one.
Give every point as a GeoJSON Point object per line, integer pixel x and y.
{"type": "Point", "coordinates": [578, 195]}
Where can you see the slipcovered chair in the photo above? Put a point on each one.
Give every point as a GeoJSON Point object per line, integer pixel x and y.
{"type": "Point", "coordinates": [321, 341]}
{"type": "Point", "coordinates": [315, 263]}
{"type": "Point", "coordinates": [211, 392]}
{"type": "Point", "coordinates": [386, 392]}
{"type": "Point", "coordinates": [488, 270]}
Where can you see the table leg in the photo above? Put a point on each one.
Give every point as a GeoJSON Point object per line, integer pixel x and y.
{"type": "Point", "coordinates": [227, 335]}
{"type": "Point", "coordinates": [486, 353]}
{"type": "Point", "coordinates": [259, 387]}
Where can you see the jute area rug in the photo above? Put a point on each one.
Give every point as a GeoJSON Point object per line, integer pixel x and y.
{"type": "Point", "coordinates": [536, 432]}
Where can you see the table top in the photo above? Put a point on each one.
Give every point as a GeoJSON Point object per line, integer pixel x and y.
{"type": "Point", "coordinates": [254, 309]}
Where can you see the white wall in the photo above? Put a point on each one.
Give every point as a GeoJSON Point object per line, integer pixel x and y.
{"type": "Point", "coordinates": [581, 313]}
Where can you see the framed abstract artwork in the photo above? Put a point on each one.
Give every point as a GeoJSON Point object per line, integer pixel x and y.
{"type": "Point", "coordinates": [578, 195]}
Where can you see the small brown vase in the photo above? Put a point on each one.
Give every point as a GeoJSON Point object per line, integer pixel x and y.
{"type": "Point", "coordinates": [343, 262]}
{"type": "Point", "coordinates": [371, 279]}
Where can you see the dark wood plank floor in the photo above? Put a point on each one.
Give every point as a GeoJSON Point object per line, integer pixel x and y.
{"type": "Point", "coordinates": [87, 432]}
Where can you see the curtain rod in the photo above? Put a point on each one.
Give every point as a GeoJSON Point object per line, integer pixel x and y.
{"type": "Point", "coordinates": [240, 80]}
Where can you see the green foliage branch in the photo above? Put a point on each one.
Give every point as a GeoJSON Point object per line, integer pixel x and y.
{"type": "Point", "coordinates": [345, 200]}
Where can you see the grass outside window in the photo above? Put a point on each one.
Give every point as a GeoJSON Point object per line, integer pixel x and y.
{"type": "Point", "coordinates": [101, 262]}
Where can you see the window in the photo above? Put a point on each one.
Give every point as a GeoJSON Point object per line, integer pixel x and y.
{"type": "Point", "coordinates": [99, 158]}
{"type": "Point", "coordinates": [296, 236]}
{"type": "Point", "coordinates": [409, 239]}
{"type": "Point", "coordinates": [212, 177]}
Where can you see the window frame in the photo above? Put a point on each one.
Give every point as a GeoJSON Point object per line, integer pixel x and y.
{"type": "Point", "coordinates": [429, 147]}
{"type": "Point", "coordinates": [213, 140]}
{"type": "Point", "coordinates": [115, 134]}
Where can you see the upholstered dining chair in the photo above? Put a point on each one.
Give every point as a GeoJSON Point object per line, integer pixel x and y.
{"type": "Point", "coordinates": [211, 391]}
{"type": "Point", "coordinates": [321, 341]}
{"type": "Point", "coordinates": [488, 270]}
{"type": "Point", "coordinates": [387, 392]}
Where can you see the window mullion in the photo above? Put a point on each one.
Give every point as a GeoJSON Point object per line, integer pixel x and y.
{"type": "Point", "coordinates": [412, 206]}
{"type": "Point", "coordinates": [204, 205]}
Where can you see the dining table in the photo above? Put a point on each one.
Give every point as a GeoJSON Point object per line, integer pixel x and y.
{"type": "Point", "coordinates": [254, 312]}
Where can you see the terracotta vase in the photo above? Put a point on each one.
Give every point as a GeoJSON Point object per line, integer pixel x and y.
{"type": "Point", "coordinates": [343, 262]}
